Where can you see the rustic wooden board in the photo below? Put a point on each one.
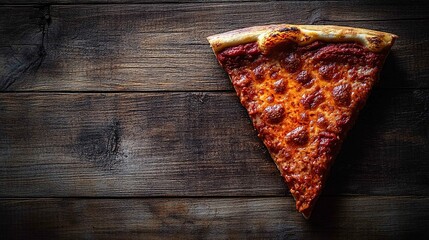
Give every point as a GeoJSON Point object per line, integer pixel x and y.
{"type": "Point", "coordinates": [163, 47]}
{"type": "Point", "coordinates": [192, 144]}
{"type": "Point", "coordinates": [214, 218]}
{"type": "Point", "coordinates": [117, 122]}
{"type": "Point", "coordinates": [49, 2]}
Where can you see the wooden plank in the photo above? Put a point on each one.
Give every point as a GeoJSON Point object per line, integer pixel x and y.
{"type": "Point", "coordinates": [157, 47]}
{"type": "Point", "coordinates": [192, 144]}
{"type": "Point", "coordinates": [45, 2]}
{"type": "Point", "coordinates": [214, 218]}
{"type": "Point", "coordinates": [402, 2]}
{"type": "Point", "coordinates": [20, 41]}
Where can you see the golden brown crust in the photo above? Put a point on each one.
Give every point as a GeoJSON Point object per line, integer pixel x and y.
{"type": "Point", "coordinates": [270, 35]}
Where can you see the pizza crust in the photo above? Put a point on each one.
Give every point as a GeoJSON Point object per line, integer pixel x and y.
{"type": "Point", "coordinates": [271, 35]}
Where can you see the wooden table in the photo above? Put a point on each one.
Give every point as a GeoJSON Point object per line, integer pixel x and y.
{"type": "Point", "coordinates": [117, 122]}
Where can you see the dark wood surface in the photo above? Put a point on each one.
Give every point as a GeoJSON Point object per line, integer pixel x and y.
{"type": "Point", "coordinates": [117, 122]}
{"type": "Point", "coordinates": [151, 47]}
{"type": "Point", "coordinates": [214, 218]}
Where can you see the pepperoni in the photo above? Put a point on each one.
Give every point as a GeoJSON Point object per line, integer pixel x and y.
{"type": "Point", "coordinates": [273, 70]}
{"type": "Point", "coordinates": [259, 73]}
{"type": "Point", "coordinates": [248, 94]}
{"type": "Point", "coordinates": [327, 142]}
{"type": "Point", "coordinates": [327, 72]}
{"type": "Point", "coordinates": [343, 121]}
{"type": "Point", "coordinates": [252, 108]}
{"type": "Point", "coordinates": [248, 50]}
{"type": "Point", "coordinates": [274, 114]}
{"type": "Point", "coordinates": [274, 75]}
{"type": "Point", "coordinates": [311, 47]}
{"type": "Point", "coordinates": [304, 78]}
{"type": "Point", "coordinates": [342, 94]}
{"type": "Point", "coordinates": [291, 63]}
{"type": "Point", "coordinates": [321, 121]}
{"type": "Point", "coordinates": [285, 154]}
{"type": "Point", "coordinates": [312, 100]}
{"type": "Point", "coordinates": [280, 86]}
{"type": "Point", "coordinates": [241, 80]}
{"type": "Point", "coordinates": [238, 56]}
{"type": "Point", "coordinates": [298, 136]}
{"type": "Point", "coordinates": [347, 53]}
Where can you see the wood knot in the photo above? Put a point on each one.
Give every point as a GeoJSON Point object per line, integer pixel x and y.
{"type": "Point", "coordinates": [101, 145]}
{"type": "Point", "coordinates": [200, 97]}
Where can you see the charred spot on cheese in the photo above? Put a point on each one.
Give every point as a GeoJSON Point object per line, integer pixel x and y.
{"type": "Point", "coordinates": [290, 29]}
{"type": "Point", "coordinates": [280, 86]}
{"type": "Point", "coordinates": [298, 136]}
{"type": "Point", "coordinates": [274, 114]}
{"type": "Point", "coordinates": [281, 40]}
{"type": "Point", "coordinates": [342, 94]}
{"type": "Point", "coordinates": [313, 99]}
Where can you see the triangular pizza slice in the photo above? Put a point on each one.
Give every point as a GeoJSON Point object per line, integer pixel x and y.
{"type": "Point", "coordinates": [303, 86]}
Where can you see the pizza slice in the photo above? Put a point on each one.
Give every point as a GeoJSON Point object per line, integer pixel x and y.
{"type": "Point", "coordinates": [303, 87]}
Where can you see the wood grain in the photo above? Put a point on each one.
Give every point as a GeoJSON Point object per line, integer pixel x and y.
{"type": "Point", "coordinates": [214, 218]}
{"type": "Point", "coordinates": [117, 122]}
{"type": "Point", "coordinates": [192, 144]}
{"type": "Point", "coordinates": [49, 2]}
{"type": "Point", "coordinates": [163, 47]}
